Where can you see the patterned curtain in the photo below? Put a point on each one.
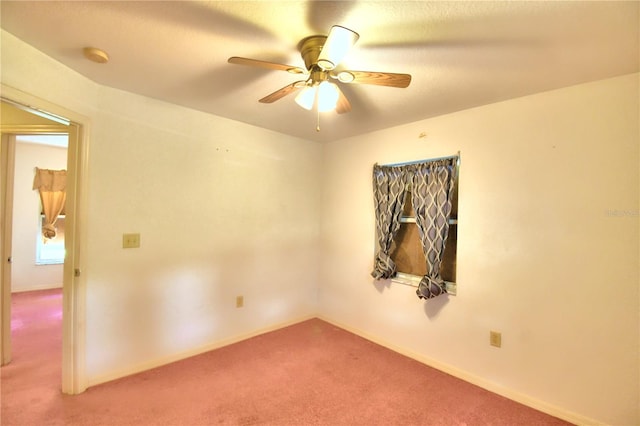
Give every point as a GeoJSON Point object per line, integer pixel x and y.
{"type": "Point", "coordinates": [51, 184]}
{"type": "Point", "coordinates": [432, 188]}
{"type": "Point", "coordinates": [389, 189]}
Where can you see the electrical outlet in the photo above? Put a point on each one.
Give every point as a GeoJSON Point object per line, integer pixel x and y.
{"type": "Point", "coordinates": [239, 301]}
{"type": "Point", "coordinates": [130, 240]}
{"type": "Point", "coordinates": [495, 339]}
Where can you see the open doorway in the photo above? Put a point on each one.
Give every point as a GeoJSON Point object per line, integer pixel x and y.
{"type": "Point", "coordinates": [73, 340]}
{"type": "Point", "coordinates": [37, 262]}
{"type": "Point", "coordinates": [37, 265]}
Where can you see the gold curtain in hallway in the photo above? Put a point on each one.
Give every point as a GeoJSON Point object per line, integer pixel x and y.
{"type": "Point", "coordinates": [51, 184]}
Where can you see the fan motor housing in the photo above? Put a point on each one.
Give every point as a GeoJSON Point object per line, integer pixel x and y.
{"type": "Point", "coordinates": [310, 48]}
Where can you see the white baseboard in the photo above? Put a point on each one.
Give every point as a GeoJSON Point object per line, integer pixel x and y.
{"type": "Point", "coordinates": [476, 380]}
{"type": "Point", "coordinates": [37, 287]}
{"type": "Point", "coordinates": [190, 353]}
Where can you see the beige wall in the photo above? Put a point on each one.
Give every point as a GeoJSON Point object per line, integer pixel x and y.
{"type": "Point", "coordinates": [223, 209]}
{"type": "Point", "coordinates": [26, 275]}
{"type": "Point", "coordinates": [547, 248]}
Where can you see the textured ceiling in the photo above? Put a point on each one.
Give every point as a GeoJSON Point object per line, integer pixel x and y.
{"type": "Point", "coordinates": [460, 54]}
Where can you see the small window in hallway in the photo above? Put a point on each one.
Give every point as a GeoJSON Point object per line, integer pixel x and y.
{"type": "Point", "coordinates": [50, 251]}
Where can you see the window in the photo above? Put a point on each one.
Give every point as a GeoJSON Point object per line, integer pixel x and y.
{"type": "Point", "coordinates": [407, 250]}
{"type": "Point", "coordinates": [420, 250]}
{"type": "Point", "coordinates": [50, 251]}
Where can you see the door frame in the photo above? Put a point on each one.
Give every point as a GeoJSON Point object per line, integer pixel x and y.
{"type": "Point", "coordinates": [74, 379]}
{"type": "Point", "coordinates": [7, 163]}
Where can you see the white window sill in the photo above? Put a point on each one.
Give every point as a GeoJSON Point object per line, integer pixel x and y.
{"type": "Point", "coordinates": [414, 280]}
{"type": "Point", "coordinates": [411, 219]}
{"type": "Point", "coordinates": [50, 262]}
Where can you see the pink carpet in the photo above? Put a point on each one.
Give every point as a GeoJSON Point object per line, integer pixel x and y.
{"type": "Point", "coordinates": [311, 373]}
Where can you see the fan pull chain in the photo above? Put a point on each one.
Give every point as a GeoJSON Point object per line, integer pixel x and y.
{"type": "Point", "coordinates": [318, 122]}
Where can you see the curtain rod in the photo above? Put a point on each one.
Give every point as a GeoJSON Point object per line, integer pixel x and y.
{"type": "Point", "coordinates": [408, 163]}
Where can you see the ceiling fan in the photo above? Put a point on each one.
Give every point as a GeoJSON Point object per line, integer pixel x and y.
{"type": "Point", "coordinates": [321, 55]}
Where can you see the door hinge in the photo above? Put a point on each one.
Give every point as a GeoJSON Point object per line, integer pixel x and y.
{"type": "Point", "coordinates": [76, 272]}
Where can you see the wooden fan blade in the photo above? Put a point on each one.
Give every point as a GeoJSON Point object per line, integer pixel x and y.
{"type": "Point", "coordinates": [281, 93]}
{"type": "Point", "coordinates": [268, 65]}
{"type": "Point", "coordinates": [378, 78]}
{"type": "Point", "coordinates": [343, 104]}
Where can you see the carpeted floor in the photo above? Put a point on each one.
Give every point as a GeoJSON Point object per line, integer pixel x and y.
{"type": "Point", "coordinates": [311, 373]}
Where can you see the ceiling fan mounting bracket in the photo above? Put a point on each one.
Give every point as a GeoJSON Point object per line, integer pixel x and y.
{"type": "Point", "coordinates": [310, 48]}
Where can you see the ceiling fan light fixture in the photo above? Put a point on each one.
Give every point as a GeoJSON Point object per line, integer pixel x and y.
{"type": "Point", "coordinates": [339, 41]}
{"type": "Point", "coordinates": [307, 97]}
{"type": "Point", "coordinates": [327, 96]}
